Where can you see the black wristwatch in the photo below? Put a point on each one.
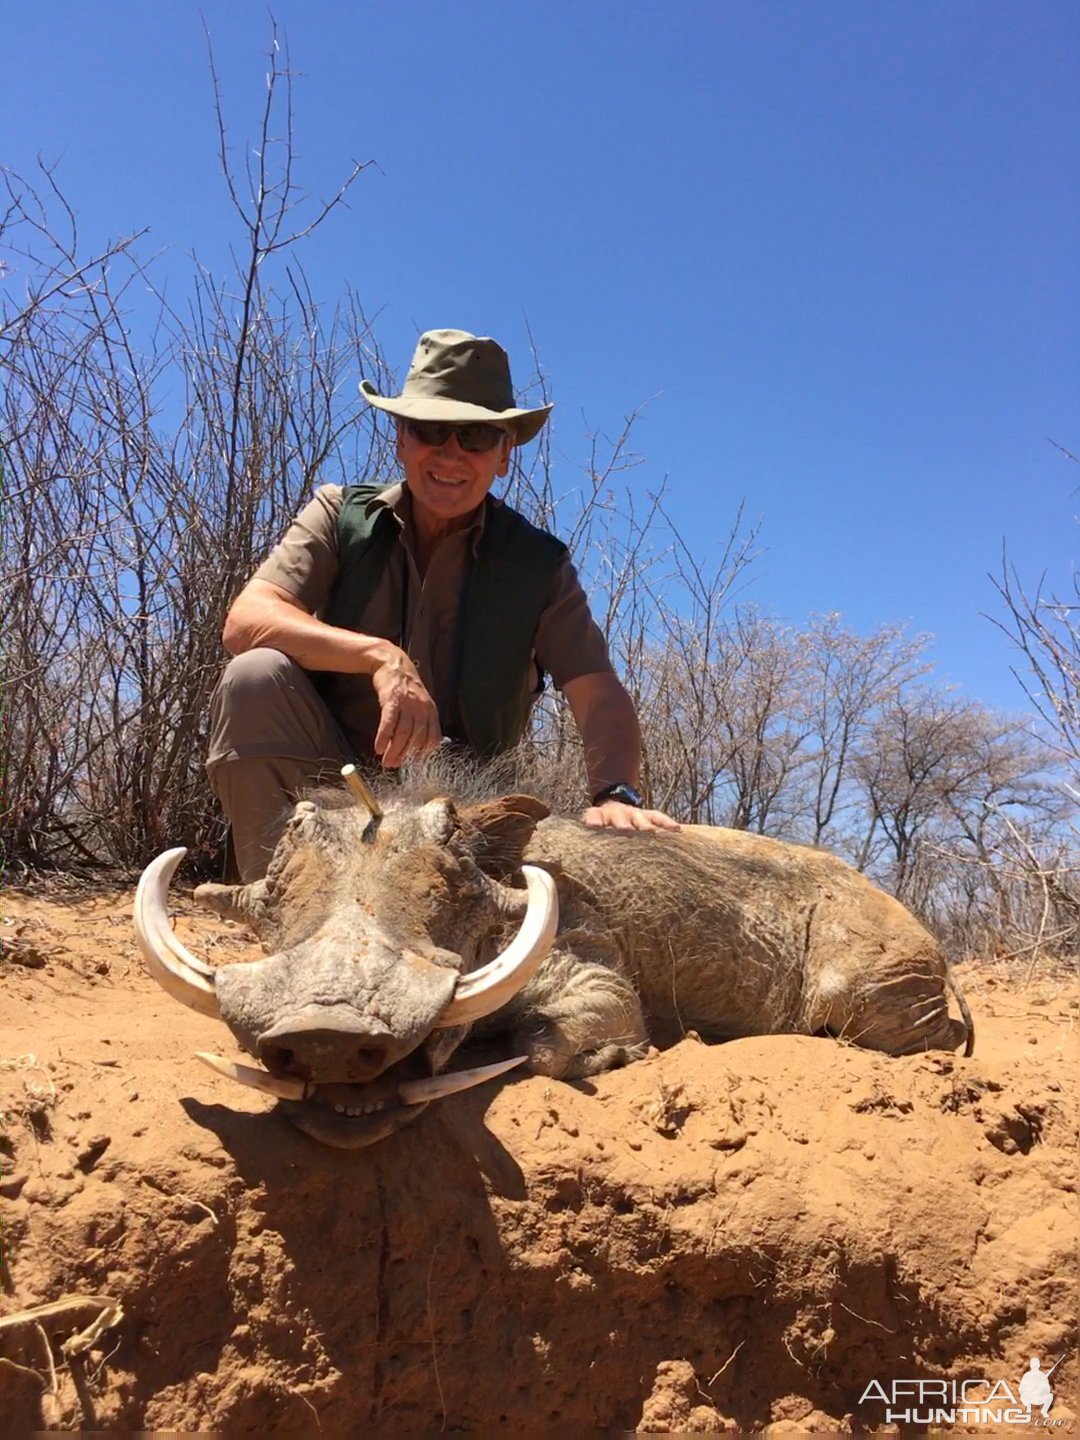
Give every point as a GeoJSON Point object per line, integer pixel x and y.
{"type": "Point", "coordinates": [621, 790]}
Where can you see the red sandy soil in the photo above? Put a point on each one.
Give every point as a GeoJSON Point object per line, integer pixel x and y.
{"type": "Point", "coordinates": [728, 1237]}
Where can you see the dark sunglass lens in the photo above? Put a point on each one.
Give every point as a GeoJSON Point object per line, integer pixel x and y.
{"type": "Point", "coordinates": [429, 432]}
{"type": "Point", "coordinates": [478, 437]}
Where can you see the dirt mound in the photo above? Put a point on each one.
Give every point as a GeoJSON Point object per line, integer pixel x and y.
{"type": "Point", "coordinates": [740, 1235]}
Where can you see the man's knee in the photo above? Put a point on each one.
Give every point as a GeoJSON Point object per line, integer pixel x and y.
{"type": "Point", "coordinates": [255, 673]}
{"type": "Point", "coordinates": [267, 704]}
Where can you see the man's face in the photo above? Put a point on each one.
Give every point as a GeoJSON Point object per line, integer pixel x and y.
{"type": "Point", "coordinates": [446, 482]}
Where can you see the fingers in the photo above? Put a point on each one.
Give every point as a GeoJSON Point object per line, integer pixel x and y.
{"type": "Point", "coordinates": [614, 815]}
{"type": "Point", "coordinates": [400, 740]}
{"type": "Point", "coordinates": [408, 718]}
{"type": "Point", "coordinates": [388, 719]}
{"type": "Point", "coordinates": [407, 728]}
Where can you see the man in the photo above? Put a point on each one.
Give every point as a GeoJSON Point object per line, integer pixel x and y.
{"type": "Point", "coordinates": [389, 619]}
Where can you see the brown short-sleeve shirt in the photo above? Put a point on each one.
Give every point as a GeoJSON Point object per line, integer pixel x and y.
{"type": "Point", "coordinates": [420, 613]}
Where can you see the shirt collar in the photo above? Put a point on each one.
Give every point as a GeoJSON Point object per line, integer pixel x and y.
{"type": "Point", "coordinates": [397, 500]}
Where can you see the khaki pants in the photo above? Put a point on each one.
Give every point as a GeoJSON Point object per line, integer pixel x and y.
{"type": "Point", "coordinates": [271, 737]}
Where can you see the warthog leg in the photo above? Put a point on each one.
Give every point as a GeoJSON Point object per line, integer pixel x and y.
{"type": "Point", "coordinates": [903, 1013]}
{"type": "Point", "coordinates": [577, 1018]}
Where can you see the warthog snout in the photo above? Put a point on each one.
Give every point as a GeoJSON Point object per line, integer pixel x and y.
{"type": "Point", "coordinates": [319, 1014]}
{"type": "Point", "coordinates": [334, 1045]}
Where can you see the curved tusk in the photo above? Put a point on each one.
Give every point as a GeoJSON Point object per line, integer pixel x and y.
{"type": "Point", "coordinates": [171, 963]}
{"type": "Point", "coordinates": [284, 1089]}
{"type": "Point", "coordinates": [490, 987]}
{"type": "Point", "coordinates": [157, 876]}
{"type": "Point", "coordinates": [419, 1092]}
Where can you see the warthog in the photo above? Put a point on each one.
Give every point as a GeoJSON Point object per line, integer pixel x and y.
{"type": "Point", "coordinates": [391, 937]}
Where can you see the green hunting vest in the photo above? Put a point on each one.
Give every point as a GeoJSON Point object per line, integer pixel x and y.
{"type": "Point", "coordinates": [508, 585]}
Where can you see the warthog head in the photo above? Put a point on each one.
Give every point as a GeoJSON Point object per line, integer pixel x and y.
{"type": "Point", "coordinates": [391, 934]}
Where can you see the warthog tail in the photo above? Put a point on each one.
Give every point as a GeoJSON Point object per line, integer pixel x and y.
{"type": "Point", "coordinates": [954, 986]}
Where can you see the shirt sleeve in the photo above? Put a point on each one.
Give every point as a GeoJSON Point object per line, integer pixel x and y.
{"type": "Point", "coordinates": [569, 643]}
{"type": "Point", "coordinates": [305, 561]}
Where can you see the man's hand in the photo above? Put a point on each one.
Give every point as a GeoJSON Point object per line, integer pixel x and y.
{"type": "Point", "coordinates": [409, 723]}
{"type": "Point", "coordinates": [265, 615]}
{"type": "Point", "coordinates": [614, 815]}
{"type": "Point", "coordinates": [607, 722]}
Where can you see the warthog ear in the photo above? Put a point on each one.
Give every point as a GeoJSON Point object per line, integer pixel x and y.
{"type": "Point", "coordinates": [497, 831]}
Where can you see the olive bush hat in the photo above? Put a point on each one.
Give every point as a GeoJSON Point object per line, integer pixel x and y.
{"type": "Point", "coordinates": [459, 377]}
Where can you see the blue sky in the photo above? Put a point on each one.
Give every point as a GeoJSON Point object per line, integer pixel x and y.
{"type": "Point", "coordinates": [832, 244]}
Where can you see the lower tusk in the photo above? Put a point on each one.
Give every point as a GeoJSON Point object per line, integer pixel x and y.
{"type": "Point", "coordinates": [490, 987]}
{"type": "Point", "coordinates": [284, 1089]}
{"type": "Point", "coordinates": [172, 965]}
{"type": "Point", "coordinates": [419, 1092]}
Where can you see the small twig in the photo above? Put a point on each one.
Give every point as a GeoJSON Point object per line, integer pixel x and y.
{"type": "Point", "coordinates": [866, 1319]}
{"type": "Point", "coordinates": [791, 1352]}
{"type": "Point", "coordinates": [431, 1332]}
{"type": "Point", "coordinates": [77, 1367]}
{"type": "Point", "coordinates": [104, 1361]}
{"type": "Point", "coordinates": [713, 1378]}
{"type": "Point", "coordinates": [1054, 1020]}
{"type": "Point", "coordinates": [199, 1206]}
{"type": "Point", "coordinates": [1035, 945]}
{"type": "Point", "coordinates": [110, 1314]}
{"type": "Point", "coordinates": [6, 1364]}
{"type": "Point", "coordinates": [1044, 918]}
{"type": "Point", "coordinates": [311, 1407]}
{"type": "Point", "coordinates": [179, 1195]}
{"type": "Point", "coordinates": [50, 1399]}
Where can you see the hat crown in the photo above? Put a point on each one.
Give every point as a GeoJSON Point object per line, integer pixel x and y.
{"type": "Point", "coordinates": [454, 365]}
{"type": "Point", "coordinates": [460, 378]}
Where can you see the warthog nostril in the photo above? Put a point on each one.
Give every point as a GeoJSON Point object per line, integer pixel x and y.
{"type": "Point", "coordinates": [326, 1055]}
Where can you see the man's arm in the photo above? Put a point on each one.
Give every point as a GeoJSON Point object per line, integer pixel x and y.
{"type": "Point", "coordinates": [608, 724]}
{"type": "Point", "coordinates": [265, 615]}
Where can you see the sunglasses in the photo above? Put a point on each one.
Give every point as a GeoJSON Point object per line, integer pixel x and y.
{"type": "Point", "coordinates": [475, 436]}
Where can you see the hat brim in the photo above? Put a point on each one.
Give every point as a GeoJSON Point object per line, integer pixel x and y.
{"type": "Point", "coordinates": [525, 425]}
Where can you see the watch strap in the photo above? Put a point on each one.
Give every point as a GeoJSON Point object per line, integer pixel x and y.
{"type": "Point", "coordinates": [623, 791]}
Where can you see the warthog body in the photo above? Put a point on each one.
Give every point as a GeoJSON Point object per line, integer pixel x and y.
{"type": "Point", "coordinates": [730, 934]}
{"type": "Point", "coordinates": [371, 927]}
